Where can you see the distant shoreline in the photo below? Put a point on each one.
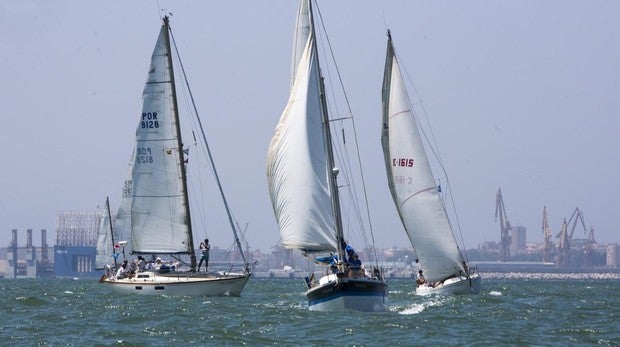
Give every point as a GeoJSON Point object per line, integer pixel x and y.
{"type": "Point", "coordinates": [551, 275]}
{"type": "Point", "coordinates": [491, 275]}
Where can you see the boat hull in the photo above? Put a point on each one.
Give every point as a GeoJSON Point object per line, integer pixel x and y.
{"type": "Point", "coordinates": [358, 294]}
{"type": "Point", "coordinates": [453, 286]}
{"type": "Point", "coordinates": [151, 283]}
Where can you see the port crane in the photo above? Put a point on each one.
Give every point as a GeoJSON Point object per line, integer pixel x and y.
{"type": "Point", "coordinates": [500, 211]}
{"type": "Point", "coordinates": [587, 252]}
{"type": "Point", "coordinates": [547, 234]}
{"type": "Point", "coordinates": [565, 237]}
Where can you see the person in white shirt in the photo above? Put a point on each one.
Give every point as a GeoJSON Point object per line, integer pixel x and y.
{"type": "Point", "coordinates": [122, 271]}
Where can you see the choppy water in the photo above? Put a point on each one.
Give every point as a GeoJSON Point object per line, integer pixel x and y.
{"type": "Point", "coordinates": [272, 312]}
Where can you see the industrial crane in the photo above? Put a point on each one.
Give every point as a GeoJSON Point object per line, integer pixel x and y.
{"type": "Point", "coordinates": [500, 211]}
{"type": "Point", "coordinates": [587, 252]}
{"type": "Point", "coordinates": [563, 245]}
{"type": "Point", "coordinates": [547, 233]}
{"type": "Point", "coordinates": [566, 237]}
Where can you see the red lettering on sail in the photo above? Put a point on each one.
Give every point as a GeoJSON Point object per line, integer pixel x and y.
{"type": "Point", "coordinates": [402, 162]}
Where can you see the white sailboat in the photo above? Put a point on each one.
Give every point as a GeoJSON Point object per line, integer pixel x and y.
{"type": "Point", "coordinates": [302, 184]}
{"type": "Point", "coordinates": [416, 194]}
{"type": "Point", "coordinates": [154, 215]}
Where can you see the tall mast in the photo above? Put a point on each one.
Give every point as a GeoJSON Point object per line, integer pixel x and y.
{"type": "Point", "coordinates": [175, 111]}
{"type": "Point", "coordinates": [332, 170]}
{"type": "Point", "coordinates": [107, 207]}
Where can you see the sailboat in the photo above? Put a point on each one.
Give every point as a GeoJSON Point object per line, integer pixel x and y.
{"type": "Point", "coordinates": [303, 188]}
{"type": "Point", "coordinates": [417, 197]}
{"type": "Point", "coordinates": [154, 215]}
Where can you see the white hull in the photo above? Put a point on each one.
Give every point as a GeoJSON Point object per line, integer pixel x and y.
{"type": "Point", "coordinates": [358, 294]}
{"type": "Point", "coordinates": [181, 284]}
{"type": "Point", "coordinates": [453, 286]}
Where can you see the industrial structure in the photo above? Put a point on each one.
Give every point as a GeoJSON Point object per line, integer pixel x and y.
{"type": "Point", "coordinates": [76, 241]}
{"type": "Point", "coordinates": [565, 242]}
{"type": "Point", "coordinates": [548, 245]}
{"type": "Point", "coordinates": [28, 261]}
{"type": "Point", "coordinates": [569, 253]}
{"type": "Point", "coordinates": [500, 211]}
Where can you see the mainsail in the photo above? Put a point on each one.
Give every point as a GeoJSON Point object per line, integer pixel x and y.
{"type": "Point", "coordinates": [296, 162]}
{"type": "Point", "coordinates": [411, 181]}
{"type": "Point", "coordinates": [159, 212]}
{"type": "Point", "coordinates": [303, 29]}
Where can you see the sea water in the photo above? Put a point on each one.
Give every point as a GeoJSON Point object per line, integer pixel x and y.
{"type": "Point", "coordinates": [66, 312]}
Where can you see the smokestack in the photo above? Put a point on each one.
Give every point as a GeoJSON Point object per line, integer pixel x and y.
{"type": "Point", "coordinates": [28, 238]}
{"type": "Point", "coordinates": [44, 256]}
{"type": "Point", "coordinates": [43, 238]}
{"type": "Point", "coordinates": [14, 249]}
{"type": "Point", "coordinates": [14, 241]}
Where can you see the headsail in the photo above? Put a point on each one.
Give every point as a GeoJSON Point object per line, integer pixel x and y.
{"type": "Point", "coordinates": [105, 239]}
{"type": "Point", "coordinates": [159, 211]}
{"type": "Point", "coordinates": [411, 180]}
{"type": "Point", "coordinates": [296, 162]}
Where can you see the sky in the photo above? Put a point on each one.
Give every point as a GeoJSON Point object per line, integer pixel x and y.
{"type": "Point", "coordinates": [522, 95]}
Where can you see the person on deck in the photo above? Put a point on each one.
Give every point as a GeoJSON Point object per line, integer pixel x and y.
{"type": "Point", "coordinates": [158, 263]}
{"type": "Point", "coordinates": [355, 266]}
{"type": "Point", "coordinates": [122, 271]}
{"type": "Point", "coordinates": [420, 280]}
{"type": "Point", "coordinates": [141, 264]}
{"type": "Point", "coordinates": [204, 248]}
{"type": "Point", "coordinates": [350, 251]}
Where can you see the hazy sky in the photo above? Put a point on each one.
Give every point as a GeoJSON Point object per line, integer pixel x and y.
{"type": "Point", "coordinates": [522, 95]}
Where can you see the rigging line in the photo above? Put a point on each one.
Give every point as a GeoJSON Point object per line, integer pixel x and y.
{"type": "Point", "coordinates": [228, 212]}
{"type": "Point", "coordinates": [434, 147]}
{"type": "Point", "coordinates": [354, 128]}
{"type": "Point", "coordinates": [198, 197]}
{"type": "Point", "coordinates": [159, 10]}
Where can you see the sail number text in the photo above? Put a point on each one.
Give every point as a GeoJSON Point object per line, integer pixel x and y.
{"type": "Point", "coordinates": [149, 120]}
{"type": "Point", "coordinates": [144, 155]}
{"type": "Point", "coordinates": [127, 189]}
{"type": "Point", "coordinates": [403, 162]}
{"type": "Point", "coordinates": [403, 179]}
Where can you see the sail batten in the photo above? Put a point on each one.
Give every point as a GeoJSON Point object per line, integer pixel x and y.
{"type": "Point", "coordinates": [411, 180]}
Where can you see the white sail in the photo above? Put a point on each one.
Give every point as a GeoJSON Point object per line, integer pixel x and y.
{"type": "Point", "coordinates": [296, 165]}
{"type": "Point", "coordinates": [105, 244]}
{"type": "Point", "coordinates": [411, 180]}
{"type": "Point", "coordinates": [122, 222]}
{"type": "Point", "coordinates": [159, 215]}
{"type": "Point", "coordinates": [300, 37]}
